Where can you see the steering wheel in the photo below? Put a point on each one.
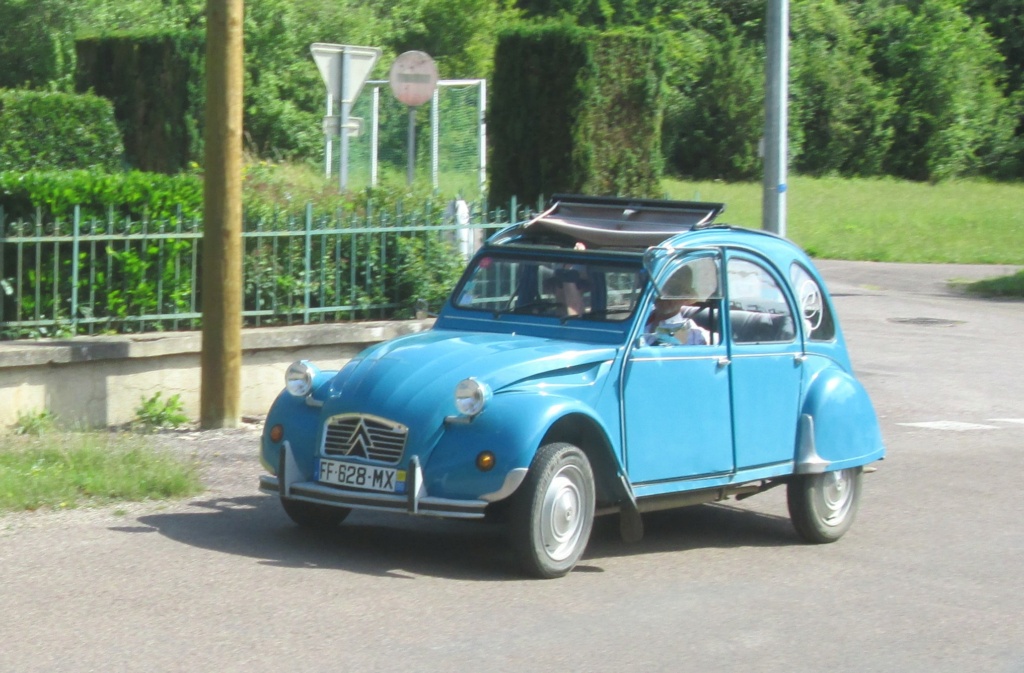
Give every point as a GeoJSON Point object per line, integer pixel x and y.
{"type": "Point", "coordinates": [811, 304]}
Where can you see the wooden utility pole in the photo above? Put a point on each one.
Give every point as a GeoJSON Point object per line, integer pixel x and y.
{"type": "Point", "coordinates": [221, 271]}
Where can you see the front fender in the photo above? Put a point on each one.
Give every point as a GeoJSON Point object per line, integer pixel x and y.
{"type": "Point", "coordinates": [300, 418]}
{"type": "Point", "coordinates": [301, 423]}
{"type": "Point", "coordinates": [838, 427]}
{"type": "Point", "coordinates": [512, 427]}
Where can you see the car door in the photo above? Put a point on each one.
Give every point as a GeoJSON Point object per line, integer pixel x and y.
{"type": "Point", "coordinates": [766, 356]}
{"type": "Point", "coordinates": [675, 396]}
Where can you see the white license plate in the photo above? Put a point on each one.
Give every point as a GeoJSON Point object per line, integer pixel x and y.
{"type": "Point", "coordinates": [354, 475]}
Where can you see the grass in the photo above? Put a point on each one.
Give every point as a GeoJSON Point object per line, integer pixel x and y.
{"type": "Point", "coordinates": [62, 470]}
{"type": "Point", "coordinates": [969, 222]}
{"type": "Point", "coordinates": [1005, 286]}
{"type": "Point", "coordinates": [275, 186]}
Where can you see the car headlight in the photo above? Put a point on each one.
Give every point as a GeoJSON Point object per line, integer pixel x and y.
{"type": "Point", "coordinates": [298, 380]}
{"type": "Point", "coordinates": [471, 396]}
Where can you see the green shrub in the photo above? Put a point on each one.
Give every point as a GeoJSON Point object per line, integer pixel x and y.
{"type": "Point", "coordinates": [35, 422]}
{"type": "Point", "coordinates": [840, 113]}
{"type": "Point", "coordinates": [37, 49]}
{"type": "Point", "coordinates": [426, 271]}
{"type": "Point", "coordinates": [715, 129]}
{"type": "Point", "coordinates": [156, 412]}
{"type": "Point", "coordinates": [135, 195]}
{"type": "Point", "coordinates": [951, 118]}
{"type": "Point", "coordinates": [57, 131]}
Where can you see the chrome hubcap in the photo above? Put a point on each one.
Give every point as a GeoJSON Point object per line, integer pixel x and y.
{"type": "Point", "coordinates": [835, 495]}
{"type": "Point", "coordinates": [561, 517]}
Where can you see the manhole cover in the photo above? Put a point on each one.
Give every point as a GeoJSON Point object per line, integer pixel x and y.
{"type": "Point", "coordinates": [928, 322]}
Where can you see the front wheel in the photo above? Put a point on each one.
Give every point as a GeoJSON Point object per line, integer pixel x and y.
{"type": "Point", "coordinates": [311, 515]}
{"type": "Point", "coordinates": [823, 506]}
{"type": "Point", "coordinates": [553, 512]}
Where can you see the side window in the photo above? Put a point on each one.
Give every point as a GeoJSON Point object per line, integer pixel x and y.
{"type": "Point", "coordinates": [758, 310]}
{"type": "Point", "coordinates": [814, 311]}
{"type": "Point", "coordinates": [687, 307]}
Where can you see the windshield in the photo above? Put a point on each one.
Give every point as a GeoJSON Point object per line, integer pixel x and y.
{"type": "Point", "coordinates": [576, 289]}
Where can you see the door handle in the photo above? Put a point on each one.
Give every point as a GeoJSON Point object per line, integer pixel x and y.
{"type": "Point", "coordinates": [723, 362]}
{"type": "Point", "coordinates": [800, 358]}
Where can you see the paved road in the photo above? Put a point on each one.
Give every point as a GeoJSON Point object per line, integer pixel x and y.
{"type": "Point", "coordinates": [929, 579]}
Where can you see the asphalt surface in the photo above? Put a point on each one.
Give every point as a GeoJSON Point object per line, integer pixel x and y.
{"type": "Point", "coordinates": [930, 578]}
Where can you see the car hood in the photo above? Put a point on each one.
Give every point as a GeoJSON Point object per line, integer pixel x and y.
{"type": "Point", "coordinates": [414, 377]}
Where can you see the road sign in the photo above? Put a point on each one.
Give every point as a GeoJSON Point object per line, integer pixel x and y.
{"type": "Point", "coordinates": [413, 78]}
{"type": "Point", "coordinates": [332, 125]}
{"type": "Point", "coordinates": [344, 68]}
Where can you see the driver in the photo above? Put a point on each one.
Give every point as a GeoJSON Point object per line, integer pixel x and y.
{"type": "Point", "coordinates": [669, 313]}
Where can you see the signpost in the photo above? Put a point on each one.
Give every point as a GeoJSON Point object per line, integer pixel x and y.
{"type": "Point", "coordinates": [413, 80]}
{"type": "Point", "coordinates": [344, 69]}
{"type": "Point", "coordinates": [773, 208]}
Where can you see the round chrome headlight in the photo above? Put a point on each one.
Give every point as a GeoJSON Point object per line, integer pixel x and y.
{"type": "Point", "coordinates": [471, 396]}
{"type": "Point", "coordinates": [298, 380]}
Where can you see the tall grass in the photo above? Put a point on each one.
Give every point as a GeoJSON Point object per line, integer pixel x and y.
{"type": "Point", "coordinates": [970, 221]}
{"type": "Point", "coordinates": [66, 469]}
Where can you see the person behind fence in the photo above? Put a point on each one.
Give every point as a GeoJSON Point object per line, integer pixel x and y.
{"type": "Point", "coordinates": [668, 322]}
{"type": "Point", "coordinates": [457, 214]}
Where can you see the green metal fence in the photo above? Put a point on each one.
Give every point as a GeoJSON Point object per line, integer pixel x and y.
{"type": "Point", "coordinates": [86, 276]}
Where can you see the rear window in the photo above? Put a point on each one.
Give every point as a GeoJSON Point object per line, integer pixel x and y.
{"type": "Point", "coordinates": [817, 318]}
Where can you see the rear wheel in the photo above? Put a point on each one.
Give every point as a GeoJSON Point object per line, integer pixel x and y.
{"type": "Point", "coordinates": [823, 506]}
{"type": "Point", "coordinates": [311, 515]}
{"type": "Point", "coordinates": [553, 512]}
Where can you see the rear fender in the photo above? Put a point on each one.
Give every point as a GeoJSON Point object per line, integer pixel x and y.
{"type": "Point", "coordinates": [838, 425]}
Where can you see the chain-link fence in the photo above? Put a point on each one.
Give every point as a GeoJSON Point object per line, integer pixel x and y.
{"type": "Point", "coordinates": [450, 139]}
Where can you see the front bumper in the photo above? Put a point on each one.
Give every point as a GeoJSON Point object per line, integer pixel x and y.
{"type": "Point", "coordinates": [414, 501]}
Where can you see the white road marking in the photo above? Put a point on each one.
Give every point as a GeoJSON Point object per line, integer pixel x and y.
{"type": "Point", "coordinates": [950, 425]}
{"type": "Point", "coordinates": [1007, 420]}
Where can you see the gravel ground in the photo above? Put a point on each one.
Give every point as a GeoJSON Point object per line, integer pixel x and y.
{"type": "Point", "coordinates": [229, 463]}
{"type": "Point", "coordinates": [226, 455]}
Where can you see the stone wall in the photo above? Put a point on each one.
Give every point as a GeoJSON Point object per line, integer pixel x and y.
{"type": "Point", "coordinates": [101, 381]}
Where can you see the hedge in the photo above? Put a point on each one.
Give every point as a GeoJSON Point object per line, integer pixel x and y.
{"type": "Point", "coordinates": [56, 130]}
{"type": "Point", "coordinates": [135, 195]}
{"type": "Point", "coordinates": [575, 110]}
{"type": "Point", "coordinates": [155, 81]}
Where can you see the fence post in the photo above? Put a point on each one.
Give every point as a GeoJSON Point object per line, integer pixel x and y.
{"type": "Point", "coordinates": [482, 125]}
{"type": "Point", "coordinates": [435, 132]}
{"type": "Point", "coordinates": [37, 315]}
{"type": "Point", "coordinates": [307, 272]}
{"type": "Point", "coordinates": [75, 232]}
{"type": "Point", "coordinates": [374, 135]}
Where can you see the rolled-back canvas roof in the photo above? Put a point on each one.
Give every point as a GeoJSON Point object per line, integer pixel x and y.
{"type": "Point", "coordinates": [614, 222]}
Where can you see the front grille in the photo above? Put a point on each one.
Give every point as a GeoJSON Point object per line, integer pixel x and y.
{"type": "Point", "coordinates": [359, 436]}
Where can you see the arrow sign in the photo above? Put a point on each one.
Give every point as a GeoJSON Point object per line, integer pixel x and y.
{"type": "Point", "coordinates": [344, 68]}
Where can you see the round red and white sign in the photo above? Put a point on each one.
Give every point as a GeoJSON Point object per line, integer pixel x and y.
{"type": "Point", "coordinates": [413, 78]}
